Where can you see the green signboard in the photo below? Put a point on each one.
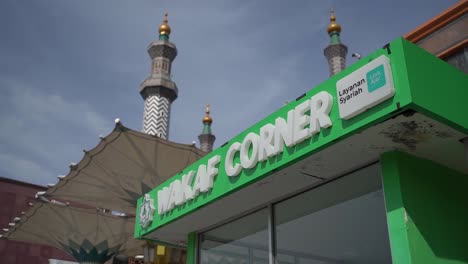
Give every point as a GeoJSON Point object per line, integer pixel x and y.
{"type": "Point", "coordinates": [365, 93]}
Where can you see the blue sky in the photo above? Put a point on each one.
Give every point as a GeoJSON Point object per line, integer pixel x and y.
{"type": "Point", "coordinates": [69, 68]}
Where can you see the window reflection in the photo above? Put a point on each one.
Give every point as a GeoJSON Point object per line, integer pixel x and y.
{"type": "Point", "coordinates": [242, 241]}
{"type": "Point", "coordinates": [343, 221]}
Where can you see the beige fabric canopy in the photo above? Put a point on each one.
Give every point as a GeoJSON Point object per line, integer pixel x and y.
{"type": "Point", "coordinates": [89, 213]}
{"type": "Point", "coordinates": [121, 168]}
{"type": "Point", "coordinates": [86, 234]}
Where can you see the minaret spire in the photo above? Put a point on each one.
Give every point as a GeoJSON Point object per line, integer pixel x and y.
{"type": "Point", "coordinates": [336, 51]}
{"type": "Point", "coordinates": [206, 137]}
{"type": "Point", "coordinates": [158, 90]}
{"type": "Point", "coordinates": [164, 29]}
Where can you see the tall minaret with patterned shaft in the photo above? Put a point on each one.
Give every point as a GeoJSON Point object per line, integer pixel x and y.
{"type": "Point", "coordinates": [206, 138]}
{"type": "Point", "coordinates": [336, 51]}
{"type": "Point", "coordinates": [158, 90]}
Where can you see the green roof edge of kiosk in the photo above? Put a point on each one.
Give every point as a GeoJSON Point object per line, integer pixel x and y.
{"type": "Point", "coordinates": [421, 82]}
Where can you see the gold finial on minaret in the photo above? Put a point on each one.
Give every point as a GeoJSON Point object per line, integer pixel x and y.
{"type": "Point", "coordinates": [333, 26]}
{"type": "Point", "coordinates": [207, 118]}
{"type": "Point", "coordinates": [165, 29]}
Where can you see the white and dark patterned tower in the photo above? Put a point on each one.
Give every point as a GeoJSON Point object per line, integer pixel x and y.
{"type": "Point", "coordinates": [158, 90]}
{"type": "Point", "coordinates": [206, 138]}
{"type": "Point", "coordinates": [336, 51]}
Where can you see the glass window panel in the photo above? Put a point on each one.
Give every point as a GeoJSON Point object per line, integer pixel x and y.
{"type": "Point", "coordinates": [244, 240]}
{"type": "Point", "coordinates": [260, 256]}
{"type": "Point", "coordinates": [343, 221]}
{"type": "Point", "coordinates": [285, 259]}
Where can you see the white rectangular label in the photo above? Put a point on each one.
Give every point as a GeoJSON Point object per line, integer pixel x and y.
{"type": "Point", "coordinates": [364, 88]}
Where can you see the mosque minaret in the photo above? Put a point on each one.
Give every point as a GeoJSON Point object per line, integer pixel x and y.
{"type": "Point", "coordinates": [335, 52]}
{"type": "Point", "coordinates": [206, 137]}
{"type": "Point", "coordinates": [158, 90]}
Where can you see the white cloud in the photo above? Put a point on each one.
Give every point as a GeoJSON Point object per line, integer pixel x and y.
{"type": "Point", "coordinates": [38, 132]}
{"type": "Point", "coordinates": [52, 109]}
{"type": "Point", "coordinates": [26, 170]}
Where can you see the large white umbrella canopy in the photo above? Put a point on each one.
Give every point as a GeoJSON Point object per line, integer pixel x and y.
{"type": "Point", "coordinates": [86, 234]}
{"type": "Point", "coordinates": [90, 212]}
{"type": "Point", "coordinates": [121, 168]}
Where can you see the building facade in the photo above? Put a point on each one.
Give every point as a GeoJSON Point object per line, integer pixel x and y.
{"type": "Point", "coordinates": [14, 199]}
{"type": "Point", "coordinates": [368, 167]}
{"type": "Point", "coordinates": [445, 36]}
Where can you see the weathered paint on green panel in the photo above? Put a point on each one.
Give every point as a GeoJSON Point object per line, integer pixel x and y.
{"type": "Point", "coordinates": [224, 185]}
{"type": "Point", "coordinates": [435, 201]}
{"type": "Point", "coordinates": [191, 248]}
{"type": "Point", "coordinates": [437, 88]}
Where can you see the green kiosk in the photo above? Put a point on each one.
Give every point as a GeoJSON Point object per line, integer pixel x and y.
{"type": "Point", "coordinates": [370, 166]}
